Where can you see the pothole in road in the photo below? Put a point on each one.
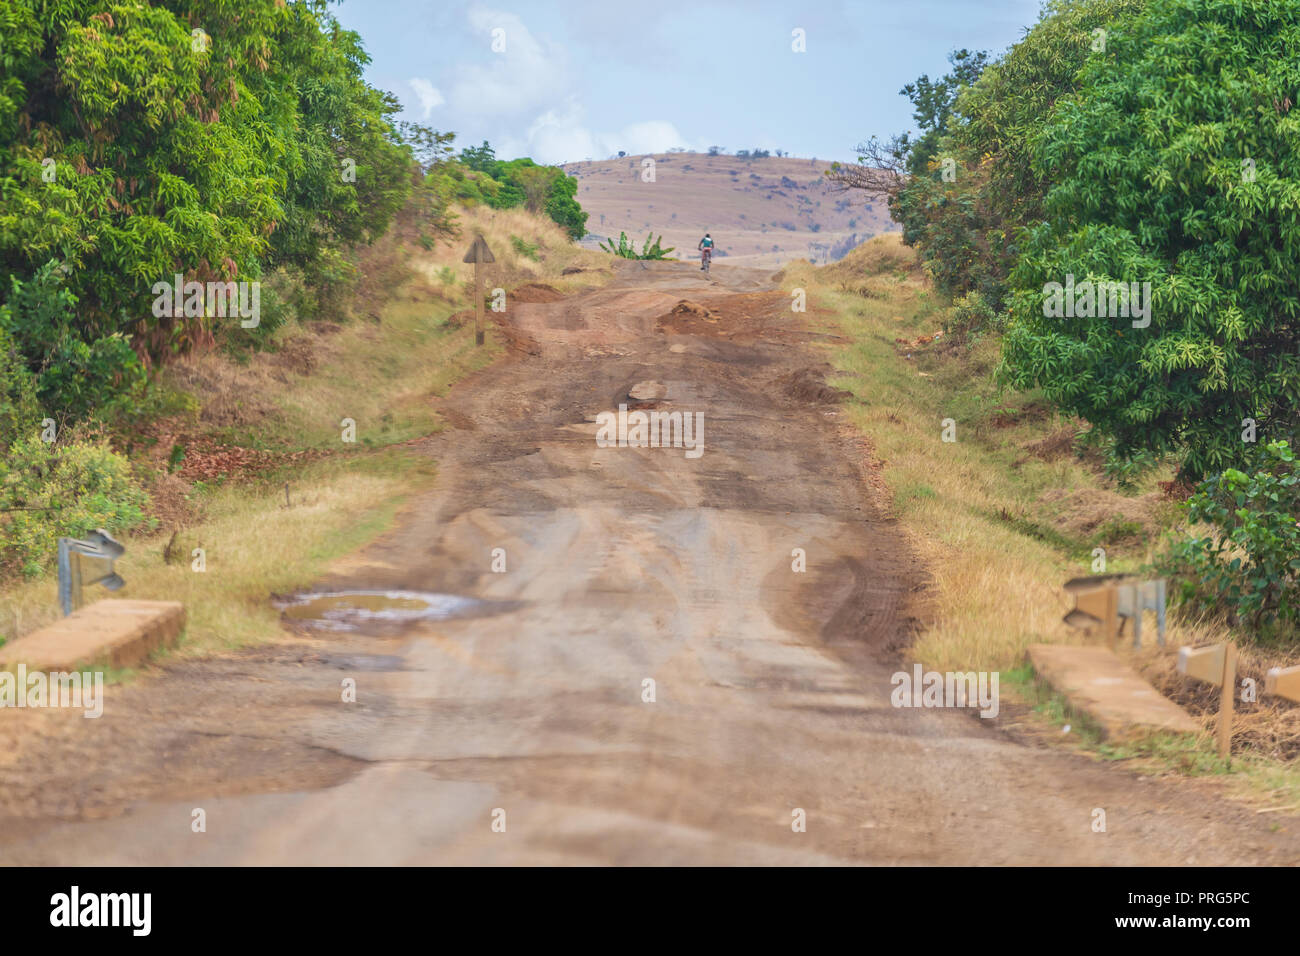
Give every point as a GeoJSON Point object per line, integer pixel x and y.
{"type": "Point", "coordinates": [360, 610]}
{"type": "Point", "coordinates": [648, 391]}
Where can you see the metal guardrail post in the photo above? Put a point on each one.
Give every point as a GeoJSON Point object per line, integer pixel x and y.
{"type": "Point", "coordinates": [69, 583]}
{"type": "Point", "coordinates": [101, 550]}
{"type": "Point", "coordinates": [1142, 596]}
{"type": "Point", "coordinates": [1106, 601]}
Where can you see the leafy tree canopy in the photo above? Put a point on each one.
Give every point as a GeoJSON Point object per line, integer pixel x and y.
{"type": "Point", "coordinates": [1176, 163]}
{"type": "Point", "coordinates": [204, 138]}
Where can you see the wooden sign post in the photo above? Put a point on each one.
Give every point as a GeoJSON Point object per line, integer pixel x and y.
{"type": "Point", "coordinates": [1225, 701]}
{"type": "Point", "coordinates": [1215, 664]}
{"type": "Point", "coordinates": [478, 253]}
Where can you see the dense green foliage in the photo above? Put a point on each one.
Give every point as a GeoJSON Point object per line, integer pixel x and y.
{"type": "Point", "coordinates": [1134, 142]}
{"type": "Point", "coordinates": [48, 491]}
{"type": "Point", "coordinates": [207, 139]}
{"type": "Point", "coordinates": [969, 316]}
{"type": "Point", "coordinates": [55, 369]}
{"type": "Point", "coordinates": [215, 140]}
{"type": "Point", "coordinates": [979, 120]}
{"type": "Point", "coordinates": [521, 182]}
{"type": "Point", "coordinates": [19, 409]}
{"type": "Point", "coordinates": [1176, 163]}
{"type": "Point", "coordinates": [1249, 565]}
{"type": "Point", "coordinates": [934, 103]}
{"type": "Point", "coordinates": [942, 213]}
{"type": "Point", "coordinates": [1127, 142]}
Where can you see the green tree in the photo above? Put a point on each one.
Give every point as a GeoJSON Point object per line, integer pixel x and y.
{"type": "Point", "coordinates": [159, 152]}
{"type": "Point", "coordinates": [934, 102]}
{"type": "Point", "coordinates": [563, 207]}
{"type": "Point", "coordinates": [19, 408]}
{"type": "Point", "coordinates": [481, 159]}
{"type": "Point", "coordinates": [1248, 566]}
{"type": "Point", "coordinates": [348, 170]}
{"type": "Point", "coordinates": [522, 182]}
{"type": "Point", "coordinates": [1005, 106]}
{"type": "Point", "coordinates": [942, 217]}
{"type": "Point", "coordinates": [197, 137]}
{"type": "Point", "coordinates": [69, 377]}
{"type": "Point", "coordinates": [1176, 163]}
{"type": "Point", "coordinates": [964, 190]}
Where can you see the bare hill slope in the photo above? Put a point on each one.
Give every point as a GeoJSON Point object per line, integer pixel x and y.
{"type": "Point", "coordinates": [759, 211]}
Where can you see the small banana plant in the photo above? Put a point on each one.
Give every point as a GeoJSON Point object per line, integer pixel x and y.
{"type": "Point", "coordinates": [627, 250]}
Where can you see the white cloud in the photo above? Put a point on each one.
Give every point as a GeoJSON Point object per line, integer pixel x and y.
{"type": "Point", "coordinates": [525, 75]}
{"type": "Point", "coordinates": [562, 137]}
{"type": "Point", "coordinates": [428, 94]}
{"type": "Point", "coordinates": [525, 99]}
{"type": "Point", "coordinates": [651, 136]}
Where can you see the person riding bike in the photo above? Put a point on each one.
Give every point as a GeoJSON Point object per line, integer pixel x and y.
{"type": "Point", "coordinates": [706, 252]}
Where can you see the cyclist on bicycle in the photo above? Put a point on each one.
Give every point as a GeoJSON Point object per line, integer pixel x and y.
{"type": "Point", "coordinates": [706, 250]}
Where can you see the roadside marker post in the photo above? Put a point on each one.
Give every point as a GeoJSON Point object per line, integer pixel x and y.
{"type": "Point", "coordinates": [1215, 664]}
{"type": "Point", "coordinates": [478, 253]}
{"type": "Point", "coordinates": [1225, 701]}
{"type": "Point", "coordinates": [1094, 605]}
{"type": "Point", "coordinates": [1202, 663]}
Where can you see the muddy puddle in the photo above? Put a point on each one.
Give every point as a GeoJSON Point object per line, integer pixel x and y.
{"type": "Point", "coordinates": [365, 610]}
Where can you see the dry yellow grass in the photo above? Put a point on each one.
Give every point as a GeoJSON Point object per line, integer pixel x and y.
{"type": "Point", "coordinates": [994, 588]}
{"type": "Point", "coordinates": [252, 546]}
{"type": "Point", "coordinates": [383, 375]}
{"type": "Point", "coordinates": [998, 528]}
{"type": "Point", "coordinates": [499, 227]}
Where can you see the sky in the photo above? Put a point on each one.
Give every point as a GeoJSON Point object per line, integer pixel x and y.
{"type": "Point", "coordinates": [583, 79]}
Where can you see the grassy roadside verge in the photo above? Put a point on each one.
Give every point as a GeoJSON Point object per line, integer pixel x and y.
{"type": "Point", "coordinates": [1005, 514]}
{"type": "Point", "coordinates": [218, 472]}
{"type": "Point", "coordinates": [253, 545]}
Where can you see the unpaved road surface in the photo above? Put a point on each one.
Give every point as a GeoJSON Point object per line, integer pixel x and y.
{"type": "Point", "coordinates": [623, 565]}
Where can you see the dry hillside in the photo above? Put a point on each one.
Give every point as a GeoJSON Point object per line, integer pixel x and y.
{"type": "Point", "coordinates": [759, 211]}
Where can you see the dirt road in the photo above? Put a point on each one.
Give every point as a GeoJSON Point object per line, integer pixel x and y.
{"type": "Point", "coordinates": [622, 565]}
